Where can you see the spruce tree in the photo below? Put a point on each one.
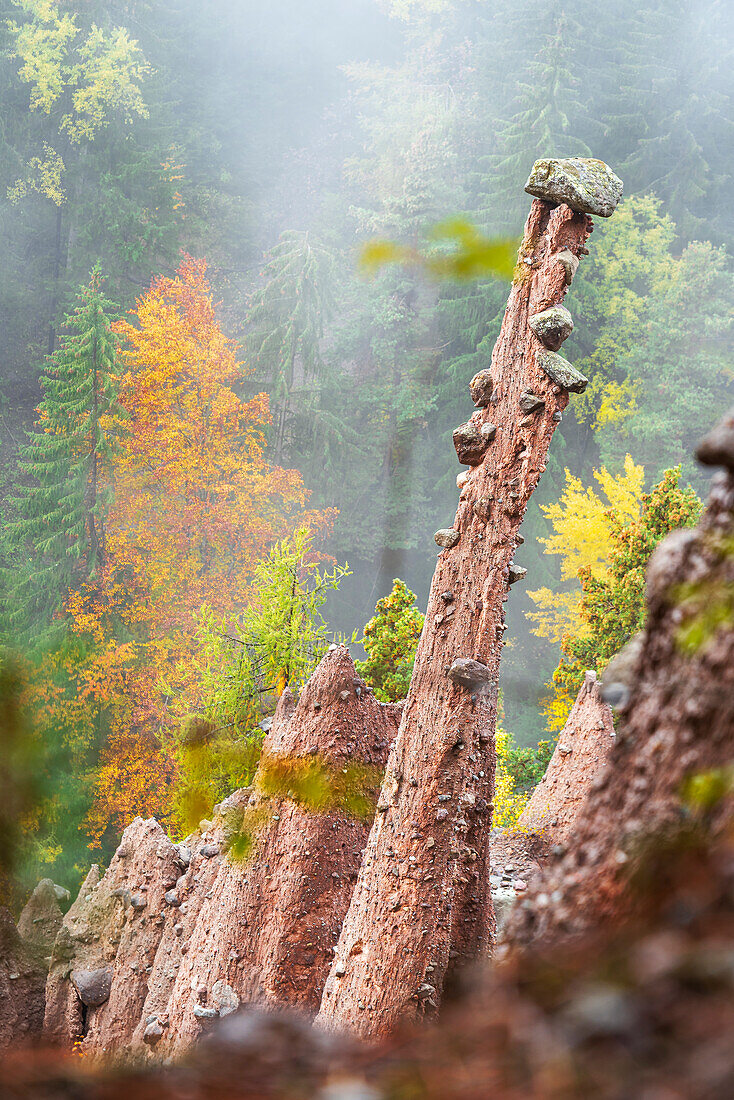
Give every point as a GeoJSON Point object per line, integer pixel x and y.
{"type": "Point", "coordinates": [547, 118]}
{"type": "Point", "coordinates": [57, 536]}
{"type": "Point", "coordinates": [680, 100]}
{"type": "Point", "coordinates": [286, 322]}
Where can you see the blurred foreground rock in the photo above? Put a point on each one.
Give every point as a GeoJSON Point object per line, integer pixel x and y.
{"type": "Point", "coordinates": [22, 980]}
{"type": "Point", "coordinates": [645, 1010]}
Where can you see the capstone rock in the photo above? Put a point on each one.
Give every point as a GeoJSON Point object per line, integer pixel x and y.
{"type": "Point", "coordinates": [587, 185]}
{"type": "Point", "coordinates": [470, 444]}
{"type": "Point", "coordinates": [468, 673]}
{"type": "Point", "coordinates": [530, 402]}
{"type": "Point", "coordinates": [93, 986]}
{"type": "Point", "coordinates": [224, 998]}
{"type": "Point", "coordinates": [569, 262]}
{"type": "Point", "coordinates": [446, 538]}
{"type": "Point", "coordinates": [153, 1033]}
{"type": "Point", "coordinates": [480, 388]}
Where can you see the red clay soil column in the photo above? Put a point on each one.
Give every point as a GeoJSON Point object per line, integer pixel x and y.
{"type": "Point", "coordinates": [422, 892]}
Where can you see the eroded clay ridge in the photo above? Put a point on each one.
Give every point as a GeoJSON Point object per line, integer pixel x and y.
{"type": "Point", "coordinates": [580, 755]}
{"type": "Point", "coordinates": [173, 936]}
{"type": "Point", "coordinates": [677, 721]}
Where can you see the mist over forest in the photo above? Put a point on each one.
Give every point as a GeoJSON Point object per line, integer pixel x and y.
{"type": "Point", "coordinates": [223, 162]}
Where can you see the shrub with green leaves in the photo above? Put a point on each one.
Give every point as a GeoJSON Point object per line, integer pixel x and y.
{"type": "Point", "coordinates": [245, 663]}
{"type": "Point", "coordinates": [391, 638]}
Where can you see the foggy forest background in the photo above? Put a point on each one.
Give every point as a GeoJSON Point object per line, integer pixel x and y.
{"type": "Point", "coordinates": [269, 140]}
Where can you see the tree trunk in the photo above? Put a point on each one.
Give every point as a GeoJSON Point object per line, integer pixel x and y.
{"type": "Point", "coordinates": [422, 894]}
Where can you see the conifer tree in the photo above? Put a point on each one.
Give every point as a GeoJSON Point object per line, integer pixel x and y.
{"type": "Point", "coordinates": [57, 537]}
{"type": "Point", "coordinates": [547, 118]}
{"type": "Point", "coordinates": [287, 321]}
{"type": "Point", "coordinates": [674, 106]}
{"type": "Point", "coordinates": [390, 638]}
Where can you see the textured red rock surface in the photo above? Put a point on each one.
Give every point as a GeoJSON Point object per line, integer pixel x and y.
{"type": "Point", "coordinates": [515, 859]}
{"type": "Point", "coordinates": [267, 930]}
{"type": "Point", "coordinates": [182, 935]}
{"type": "Point", "coordinates": [114, 926]}
{"type": "Point", "coordinates": [22, 981]}
{"type": "Point", "coordinates": [201, 855]}
{"type": "Point", "coordinates": [422, 901]}
{"type": "Point", "coordinates": [41, 919]}
{"type": "Point", "coordinates": [517, 853]}
{"type": "Point", "coordinates": [677, 723]}
{"type": "Point", "coordinates": [580, 756]}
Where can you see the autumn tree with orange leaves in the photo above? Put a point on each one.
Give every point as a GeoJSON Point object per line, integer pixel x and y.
{"type": "Point", "coordinates": [196, 505]}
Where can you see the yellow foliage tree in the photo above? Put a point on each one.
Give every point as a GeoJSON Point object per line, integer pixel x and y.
{"type": "Point", "coordinates": [509, 803]}
{"type": "Point", "coordinates": [80, 80]}
{"type": "Point", "coordinates": [617, 402]}
{"type": "Point", "coordinates": [581, 522]}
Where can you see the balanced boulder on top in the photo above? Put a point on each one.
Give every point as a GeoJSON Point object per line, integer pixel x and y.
{"type": "Point", "coordinates": [585, 184]}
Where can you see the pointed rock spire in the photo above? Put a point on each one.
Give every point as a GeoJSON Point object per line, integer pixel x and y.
{"type": "Point", "coordinates": [580, 755]}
